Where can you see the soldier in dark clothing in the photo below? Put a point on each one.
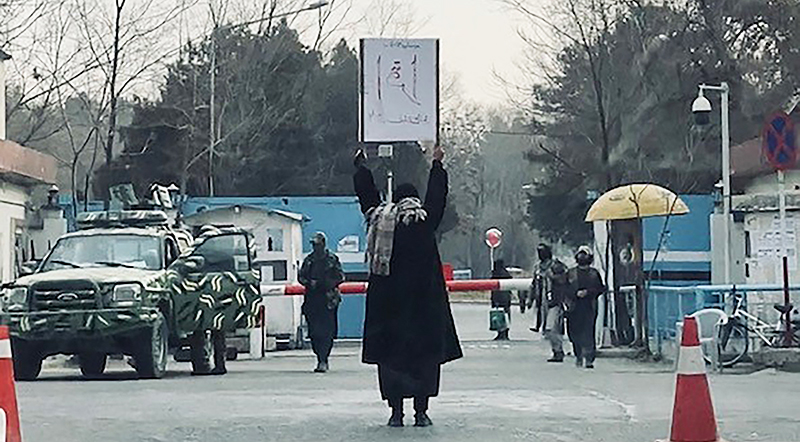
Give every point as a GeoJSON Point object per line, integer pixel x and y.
{"type": "Point", "coordinates": [586, 285]}
{"type": "Point", "coordinates": [409, 330]}
{"type": "Point", "coordinates": [540, 285]}
{"type": "Point", "coordinates": [501, 298]}
{"type": "Point", "coordinates": [553, 302]}
{"type": "Point", "coordinates": [321, 275]}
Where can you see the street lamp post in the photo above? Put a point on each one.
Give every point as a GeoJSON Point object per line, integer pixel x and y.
{"type": "Point", "coordinates": [213, 74]}
{"type": "Point", "coordinates": [701, 108]}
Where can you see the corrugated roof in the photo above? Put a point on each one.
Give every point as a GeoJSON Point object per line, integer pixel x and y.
{"type": "Point", "coordinates": [286, 214]}
{"type": "Point", "coordinates": [748, 161]}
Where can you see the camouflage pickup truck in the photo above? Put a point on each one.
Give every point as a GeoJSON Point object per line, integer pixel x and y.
{"type": "Point", "coordinates": [127, 283]}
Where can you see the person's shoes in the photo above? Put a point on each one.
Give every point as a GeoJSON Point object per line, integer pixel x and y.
{"type": "Point", "coordinates": [422, 420]}
{"type": "Point", "coordinates": [396, 420]}
{"type": "Point", "coordinates": [579, 362]}
{"type": "Point", "coordinates": [534, 329]}
{"type": "Point", "coordinates": [498, 337]}
{"type": "Point", "coordinates": [219, 371]}
{"type": "Point", "coordinates": [556, 358]}
{"type": "Point", "coordinates": [322, 367]}
{"type": "Point", "coordinates": [590, 366]}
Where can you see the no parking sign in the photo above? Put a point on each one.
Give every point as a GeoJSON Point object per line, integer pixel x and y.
{"type": "Point", "coordinates": [778, 141]}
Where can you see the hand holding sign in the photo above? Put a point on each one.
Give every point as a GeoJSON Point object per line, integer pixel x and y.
{"type": "Point", "coordinates": [360, 158]}
{"type": "Point", "coordinates": [438, 153]}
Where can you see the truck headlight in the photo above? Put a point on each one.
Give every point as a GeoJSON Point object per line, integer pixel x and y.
{"type": "Point", "coordinates": [126, 295]}
{"type": "Point", "coordinates": [16, 299]}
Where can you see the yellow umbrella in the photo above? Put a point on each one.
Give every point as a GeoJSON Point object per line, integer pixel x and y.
{"type": "Point", "coordinates": [636, 201]}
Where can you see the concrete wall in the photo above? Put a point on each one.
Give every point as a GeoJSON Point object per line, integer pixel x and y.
{"type": "Point", "coordinates": [737, 250]}
{"type": "Point", "coordinates": [12, 221]}
{"type": "Point", "coordinates": [764, 263]}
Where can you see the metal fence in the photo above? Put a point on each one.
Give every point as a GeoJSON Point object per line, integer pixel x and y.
{"type": "Point", "coordinates": [667, 306]}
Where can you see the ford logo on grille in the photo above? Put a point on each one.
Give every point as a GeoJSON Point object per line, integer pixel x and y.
{"type": "Point", "coordinates": [67, 297]}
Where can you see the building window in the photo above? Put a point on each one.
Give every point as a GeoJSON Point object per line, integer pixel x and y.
{"type": "Point", "coordinates": [274, 240]}
{"type": "Point", "coordinates": [272, 271]}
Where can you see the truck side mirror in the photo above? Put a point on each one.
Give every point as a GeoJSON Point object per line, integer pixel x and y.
{"type": "Point", "coordinates": [189, 264]}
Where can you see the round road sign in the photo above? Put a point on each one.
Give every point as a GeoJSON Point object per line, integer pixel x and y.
{"type": "Point", "coordinates": [494, 237]}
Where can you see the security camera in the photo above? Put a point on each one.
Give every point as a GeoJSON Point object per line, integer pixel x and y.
{"type": "Point", "coordinates": [701, 108]}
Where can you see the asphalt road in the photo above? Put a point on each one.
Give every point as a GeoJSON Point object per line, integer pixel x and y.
{"type": "Point", "coordinates": [498, 392]}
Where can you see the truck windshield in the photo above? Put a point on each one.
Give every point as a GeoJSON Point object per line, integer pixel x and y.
{"type": "Point", "coordinates": [123, 250]}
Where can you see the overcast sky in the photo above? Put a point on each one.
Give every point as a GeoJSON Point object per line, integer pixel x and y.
{"type": "Point", "coordinates": [477, 37]}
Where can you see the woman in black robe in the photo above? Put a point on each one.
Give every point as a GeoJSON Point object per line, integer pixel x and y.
{"type": "Point", "coordinates": [502, 298]}
{"type": "Point", "coordinates": [408, 328]}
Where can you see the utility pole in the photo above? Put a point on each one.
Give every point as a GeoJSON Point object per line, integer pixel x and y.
{"type": "Point", "coordinates": [212, 127]}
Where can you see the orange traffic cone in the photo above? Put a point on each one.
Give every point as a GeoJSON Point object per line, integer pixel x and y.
{"type": "Point", "coordinates": [9, 413]}
{"type": "Point", "coordinates": [693, 413]}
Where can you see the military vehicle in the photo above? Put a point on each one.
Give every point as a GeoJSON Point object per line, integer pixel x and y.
{"type": "Point", "coordinates": [127, 283]}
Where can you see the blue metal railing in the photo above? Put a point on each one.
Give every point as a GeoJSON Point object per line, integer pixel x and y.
{"type": "Point", "coordinates": [668, 305]}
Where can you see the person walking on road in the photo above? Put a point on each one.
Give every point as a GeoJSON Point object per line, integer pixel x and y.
{"type": "Point", "coordinates": [540, 285]}
{"type": "Point", "coordinates": [586, 285]}
{"type": "Point", "coordinates": [321, 274]}
{"type": "Point", "coordinates": [553, 301]}
{"type": "Point", "coordinates": [502, 298]}
{"type": "Point", "coordinates": [409, 330]}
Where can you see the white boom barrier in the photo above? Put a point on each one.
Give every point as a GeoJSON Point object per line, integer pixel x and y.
{"type": "Point", "coordinates": [354, 288]}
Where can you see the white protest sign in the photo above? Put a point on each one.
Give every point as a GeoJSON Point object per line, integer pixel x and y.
{"type": "Point", "coordinates": [399, 90]}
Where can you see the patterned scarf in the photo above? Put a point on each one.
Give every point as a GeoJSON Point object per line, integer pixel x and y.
{"type": "Point", "coordinates": [381, 223]}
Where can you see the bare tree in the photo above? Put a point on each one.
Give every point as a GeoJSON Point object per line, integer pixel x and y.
{"type": "Point", "coordinates": [391, 19]}
{"type": "Point", "coordinates": [128, 43]}
{"type": "Point", "coordinates": [585, 25]}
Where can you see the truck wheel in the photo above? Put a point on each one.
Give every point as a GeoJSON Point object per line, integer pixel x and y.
{"type": "Point", "coordinates": [92, 364]}
{"type": "Point", "coordinates": [27, 361]}
{"type": "Point", "coordinates": [150, 350]}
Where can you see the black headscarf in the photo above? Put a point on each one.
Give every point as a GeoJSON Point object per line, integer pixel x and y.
{"type": "Point", "coordinates": [544, 251]}
{"type": "Point", "coordinates": [406, 190]}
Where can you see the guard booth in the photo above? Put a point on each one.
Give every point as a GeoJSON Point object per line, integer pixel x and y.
{"type": "Point", "coordinates": [617, 216]}
{"type": "Point", "coordinates": [278, 241]}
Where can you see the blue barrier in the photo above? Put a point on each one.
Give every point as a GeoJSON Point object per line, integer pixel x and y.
{"type": "Point", "coordinates": [668, 305]}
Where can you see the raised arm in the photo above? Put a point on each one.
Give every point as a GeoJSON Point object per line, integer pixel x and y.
{"type": "Point", "coordinates": [364, 184]}
{"type": "Point", "coordinates": [436, 194]}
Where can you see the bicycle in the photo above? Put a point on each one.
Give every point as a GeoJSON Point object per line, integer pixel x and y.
{"type": "Point", "coordinates": [735, 331]}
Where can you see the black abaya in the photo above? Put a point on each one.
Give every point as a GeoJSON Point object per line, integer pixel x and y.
{"type": "Point", "coordinates": [408, 328]}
